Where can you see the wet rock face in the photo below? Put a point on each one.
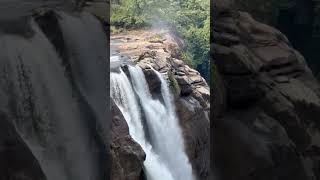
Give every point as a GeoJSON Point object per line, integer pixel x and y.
{"type": "Point", "coordinates": [127, 156]}
{"type": "Point", "coordinates": [191, 92]}
{"type": "Point", "coordinates": [265, 130]}
{"type": "Point", "coordinates": [127, 159]}
{"type": "Point", "coordinates": [194, 121]}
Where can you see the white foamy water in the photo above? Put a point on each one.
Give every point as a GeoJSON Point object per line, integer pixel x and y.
{"type": "Point", "coordinates": [165, 155]}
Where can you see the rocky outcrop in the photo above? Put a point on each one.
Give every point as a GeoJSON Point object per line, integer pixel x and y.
{"type": "Point", "coordinates": [126, 155]}
{"type": "Point", "coordinates": [297, 19]}
{"type": "Point", "coordinates": [159, 50]}
{"type": "Point", "coordinates": [266, 102]}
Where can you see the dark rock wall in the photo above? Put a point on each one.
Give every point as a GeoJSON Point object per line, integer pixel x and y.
{"type": "Point", "coordinates": [297, 19]}
{"type": "Point", "coordinates": [263, 127]}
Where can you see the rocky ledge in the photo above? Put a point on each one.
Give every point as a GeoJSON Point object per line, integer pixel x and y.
{"type": "Point", "coordinates": [266, 102]}
{"type": "Point", "coordinates": [161, 51]}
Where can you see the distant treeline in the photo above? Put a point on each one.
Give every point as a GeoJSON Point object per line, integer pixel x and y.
{"type": "Point", "coordinates": [190, 19]}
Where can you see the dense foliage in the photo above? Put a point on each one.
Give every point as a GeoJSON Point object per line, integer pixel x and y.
{"type": "Point", "coordinates": [189, 19]}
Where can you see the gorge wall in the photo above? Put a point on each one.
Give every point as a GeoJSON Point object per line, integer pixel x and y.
{"type": "Point", "coordinates": [265, 101]}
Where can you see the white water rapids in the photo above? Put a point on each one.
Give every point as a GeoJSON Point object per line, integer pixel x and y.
{"type": "Point", "coordinates": [164, 147]}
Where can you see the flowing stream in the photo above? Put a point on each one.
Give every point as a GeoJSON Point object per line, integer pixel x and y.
{"type": "Point", "coordinates": [159, 135]}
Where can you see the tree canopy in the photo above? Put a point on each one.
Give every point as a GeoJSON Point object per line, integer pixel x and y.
{"type": "Point", "coordinates": [190, 19]}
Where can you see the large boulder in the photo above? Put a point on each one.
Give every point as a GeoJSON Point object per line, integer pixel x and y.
{"type": "Point", "coordinates": [266, 103]}
{"type": "Point", "coordinates": [127, 156]}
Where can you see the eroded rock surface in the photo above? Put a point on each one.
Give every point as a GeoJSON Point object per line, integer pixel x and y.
{"type": "Point", "coordinates": [267, 103]}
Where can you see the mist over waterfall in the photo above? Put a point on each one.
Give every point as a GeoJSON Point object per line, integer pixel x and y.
{"type": "Point", "coordinates": [152, 123]}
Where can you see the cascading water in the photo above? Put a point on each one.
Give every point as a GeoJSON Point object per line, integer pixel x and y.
{"type": "Point", "coordinates": [165, 156]}
{"type": "Point", "coordinates": [57, 100]}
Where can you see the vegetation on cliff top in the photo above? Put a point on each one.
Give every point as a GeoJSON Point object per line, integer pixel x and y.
{"type": "Point", "coordinates": [189, 19]}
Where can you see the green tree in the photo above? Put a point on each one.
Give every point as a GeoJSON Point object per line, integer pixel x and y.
{"type": "Point", "coordinates": [190, 19]}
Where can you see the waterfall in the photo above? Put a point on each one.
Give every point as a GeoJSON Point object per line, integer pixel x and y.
{"type": "Point", "coordinates": [55, 110]}
{"type": "Point", "coordinates": [165, 156]}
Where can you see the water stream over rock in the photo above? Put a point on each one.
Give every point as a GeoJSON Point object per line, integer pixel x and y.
{"type": "Point", "coordinates": [152, 123]}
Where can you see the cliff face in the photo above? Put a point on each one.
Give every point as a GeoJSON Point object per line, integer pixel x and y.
{"type": "Point", "coordinates": [161, 52]}
{"type": "Point", "coordinates": [297, 19]}
{"type": "Point", "coordinates": [266, 102]}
